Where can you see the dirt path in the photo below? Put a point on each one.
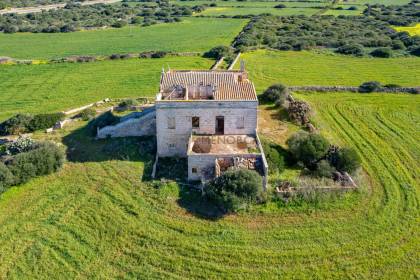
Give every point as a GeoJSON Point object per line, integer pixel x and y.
{"type": "Point", "coordinates": [38, 9]}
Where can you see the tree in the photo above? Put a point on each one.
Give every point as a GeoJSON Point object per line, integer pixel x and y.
{"type": "Point", "coordinates": [234, 189]}
{"type": "Point", "coordinates": [276, 93]}
{"type": "Point", "coordinates": [308, 148]}
{"type": "Point", "coordinates": [323, 169]}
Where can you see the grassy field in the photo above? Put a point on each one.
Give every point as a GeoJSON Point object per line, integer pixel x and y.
{"type": "Point", "coordinates": [310, 68]}
{"type": "Point", "coordinates": [233, 11]}
{"type": "Point", "coordinates": [53, 87]}
{"type": "Point", "coordinates": [191, 35]}
{"type": "Point", "coordinates": [97, 219]}
{"type": "Point", "coordinates": [413, 30]}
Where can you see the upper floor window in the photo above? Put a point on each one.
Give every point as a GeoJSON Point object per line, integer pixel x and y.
{"type": "Point", "coordinates": [195, 122]}
{"type": "Point", "coordinates": [240, 122]}
{"type": "Point", "coordinates": [171, 122]}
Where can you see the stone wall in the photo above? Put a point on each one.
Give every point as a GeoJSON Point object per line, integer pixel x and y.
{"type": "Point", "coordinates": [174, 142]}
{"type": "Point", "coordinates": [143, 126]}
{"type": "Point", "coordinates": [414, 90]}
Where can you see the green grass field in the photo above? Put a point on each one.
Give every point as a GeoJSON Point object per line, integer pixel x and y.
{"type": "Point", "coordinates": [53, 87]}
{"type": "Point", "coordinates": [233, 11]}
{"type": "Point", "coordinates": [96, 219]}
{"type": "Point", "coordinates": [310, 68]}
{"type": "Point", "coordinates": [191, 35]}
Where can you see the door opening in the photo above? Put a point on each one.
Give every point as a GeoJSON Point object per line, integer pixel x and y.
{"type": "Point", "coordinates": [220, 125]}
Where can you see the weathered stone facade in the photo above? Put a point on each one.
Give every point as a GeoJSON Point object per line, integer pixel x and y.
{"type": "Point", "coordinates": [174, 122]}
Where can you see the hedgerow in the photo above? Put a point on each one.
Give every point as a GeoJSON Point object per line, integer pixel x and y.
{"type": "Point", "coordinates": [23, 123]}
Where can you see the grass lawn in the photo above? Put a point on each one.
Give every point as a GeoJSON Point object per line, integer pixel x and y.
{"type": "Point", "coordinates": [54, 87]}
{"type": "Point", "coordinates": [310, 68]}
{"type": "Point", "coordinates": [190, 35]}
{"type": "Point", "coordinates": [97, 218]}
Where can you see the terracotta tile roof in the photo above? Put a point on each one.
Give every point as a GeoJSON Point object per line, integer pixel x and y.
{"type": "Point", "coordinates": [228, 85]}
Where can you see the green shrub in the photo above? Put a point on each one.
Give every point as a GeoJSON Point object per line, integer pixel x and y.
{"type": "Point", "coordinates": [219, 52]}
{"type": "Point", "coordinates": [234, 189]}
{"type": "Point", "coordinates": [128, 102]}
{"type": "Point", "coordinates": [369, 87]}
{"type": "Point", "coordinates": [323, 169]}
{"type": "Point", "coordinates": [280, 6]}
{"type": "Point", "coordinates": [6, 177]}
{"type": "Point", "coordinates": [351, 49]}
{"type": "Point", "coordinates": [16, 124]}
{"type": "Point", "coordinates": [274, 156]}
{"type": "Point", "coordinates": [308, 148]}
{"type": "Point", "coordinates": [46, 158]}
{"type": "Point", "coordinates": [276, 93]}
{"type": "Point", "coordinates": [392, 86]}
{"type": "Point", "coordinates": [382, 52]}
{"type": "Point", "coordinates": [415, 50]}
{"type": "Point", "coordinates": [87, 114]}
{"type": "Point", "coordinates": [158, 54]}
{"type": "Point", "coordinates": [44, 121]}
{"type": "Point", "coordinates": [348, 160]}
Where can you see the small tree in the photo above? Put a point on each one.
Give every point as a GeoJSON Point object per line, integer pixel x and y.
{"type": "Point", "coordinates": [369, 87]}
{"type": "Point", "coordinates": [280, 6]}
{"type": "Point", "coordinates": [234, 189]}
{"type": "Point", "coordinates": [308, 148]}
{"type": "Point", "coordinates": [276, 93]}
{"type": "Point", "coordinates": [16, 124]}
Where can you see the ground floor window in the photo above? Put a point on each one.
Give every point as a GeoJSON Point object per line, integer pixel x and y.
{"type": "Point", "coordinates": [194, 170]}
{"type": "Point", "coordinates": [195, 122]}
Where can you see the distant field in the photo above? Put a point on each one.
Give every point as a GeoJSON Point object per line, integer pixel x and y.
{"type": "Point", "coordinates": [97, 218]}
{"type": "Point", "coordinates": [413, 30]}
{"type": "Point", "coordinates": [232, 11]}
{"type": "Point", "coordinates": [310, 68]}
{"type": "Point", "coordinates": [383, 2]}
{"type": "Point", "coordinates": [54, 87]}
{"type": "Point", "coordinates": [193, 34]}
{"type": "Point", "coordinates": [345, 11]}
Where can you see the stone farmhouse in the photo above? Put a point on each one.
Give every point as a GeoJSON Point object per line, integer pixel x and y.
{"type": "Point", "coordinates": [208, 116]}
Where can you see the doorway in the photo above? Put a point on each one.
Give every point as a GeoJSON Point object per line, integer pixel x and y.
{"type": "Point", "coordinates": [220, 125]}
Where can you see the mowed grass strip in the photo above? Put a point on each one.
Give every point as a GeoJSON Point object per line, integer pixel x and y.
{"type": "Point", "coordinates": [98, 220]}
{"type": "Point", "coordinates": [55, 87]}
{"type": "Point", "coordinates": [310, 68]}
{"type": "Point", "coordinates": [190, 35]}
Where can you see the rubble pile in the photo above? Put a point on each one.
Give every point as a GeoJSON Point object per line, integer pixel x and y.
{"type": "Point", "coordinates": [299, 112]}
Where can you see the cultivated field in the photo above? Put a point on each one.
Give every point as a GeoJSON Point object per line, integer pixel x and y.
{"type": "Point", "coordinates": [190, 35]}
{"type": "Point", "coordinates": [412, 30]}
{"type": "Point", "coordinates": [95, 219]}
{"type": "Point", "coordinates": [53, 87]}
{"type": "Point", "coordinates": [310, 68]}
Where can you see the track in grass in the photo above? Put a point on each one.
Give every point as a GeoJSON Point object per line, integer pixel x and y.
{"type": "Point", "coordinates": [98, 220]}
{"type": "Point", "coordinates": [54, 87]}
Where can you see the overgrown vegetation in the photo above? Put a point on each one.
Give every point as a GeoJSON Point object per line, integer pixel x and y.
{"type": "Point", "coordinates": [345, 34]}
{"type": "Point", "coordinates": [27, 159]}
{"type": "Point", "coordinates": [24, 123]}
{"type": "Point", "coordinates": [235, 189]}
{"type": "Point", "coordinates": [30, 3]}
{"type": "Point", "coordinates": [321, 158]}
{"type": "Point", "coordinates": [221, 51]}
{"type": "Point", "coordinates": [400, 15]}
{"type": "Point", "coordinates": [276, 93]}
{"type": "Point", "coordinates": [74, 17]}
